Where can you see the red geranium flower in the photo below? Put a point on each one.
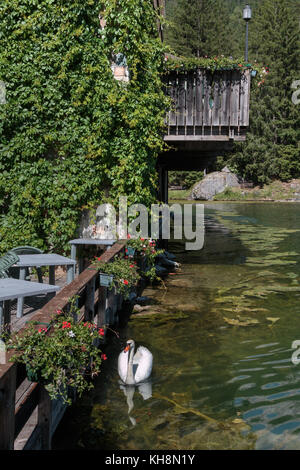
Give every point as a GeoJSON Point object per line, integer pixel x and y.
{"type": "Point", "coordinates": [103, 357]}
{"type": "Point", "coordinates": [126, 282]}
{"type": "Point", "coordinates": [101, 332]}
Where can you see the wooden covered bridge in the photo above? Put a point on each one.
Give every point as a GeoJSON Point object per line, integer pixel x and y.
{"type": "Point", "coordinates": [210, 112]}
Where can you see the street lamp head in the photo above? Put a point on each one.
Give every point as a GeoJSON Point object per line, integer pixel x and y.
{"type": "Point", "coordinates": [247, 13]}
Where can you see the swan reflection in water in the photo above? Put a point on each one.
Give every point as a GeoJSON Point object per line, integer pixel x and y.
{"type": "Point", "coordinates": [145, 389]}
{"type": "Point", "coordinates": [134, 370]}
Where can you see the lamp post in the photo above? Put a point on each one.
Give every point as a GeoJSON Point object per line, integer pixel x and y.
{"type": "Point", "coordinates": [247, 15]}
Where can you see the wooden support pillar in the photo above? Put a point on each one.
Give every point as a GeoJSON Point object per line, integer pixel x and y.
{"type": "Point", "coordinates": [45, 418]}
{"type": "Point", "coordinates": [7, 408]}
{"type": "Point", "coordinates": [101, 307]}
{"type": "Point", "coordinates": [90, 301]}
{"type": "Point", "coordinates": [163, 197]}
{"type": "Point", "coordinates": [166, 187]}
{"type": "Point", "coordinates": [163, 185]}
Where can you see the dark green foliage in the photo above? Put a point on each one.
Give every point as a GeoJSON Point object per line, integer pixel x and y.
{"type": "Point", "coordinates": [70, 134]}
{"type": "Point", "coordinates": [198, 28]}
{"type": "Point", "coordinates": [186, 179]}
{"type": "Point", "coordinates": [215, 27]}
{"type": "Point", "coordinates": [272, 148]}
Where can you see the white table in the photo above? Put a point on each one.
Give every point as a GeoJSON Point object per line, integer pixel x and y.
{"type": "Point", "coordinates": [15, 289]}
{"type": "Point", "coordinates": [88, 241]}
{"type": "Point", "coordinates": [37, 260]}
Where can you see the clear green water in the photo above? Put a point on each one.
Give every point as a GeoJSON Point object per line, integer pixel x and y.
{"type": "Point", "coordinates": [241, 376]}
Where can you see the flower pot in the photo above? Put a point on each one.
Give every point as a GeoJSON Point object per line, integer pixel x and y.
{"type": "Point", "coordinates": [106, 280]}
{"type": "Point", "coordinates": [130, 251]}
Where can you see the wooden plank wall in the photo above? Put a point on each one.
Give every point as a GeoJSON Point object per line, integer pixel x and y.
{"type": "Point", "coordinates": [206, 104]}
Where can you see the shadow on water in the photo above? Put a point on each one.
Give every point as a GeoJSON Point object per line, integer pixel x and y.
{"type": "Point", "coordinates": [221, 338]}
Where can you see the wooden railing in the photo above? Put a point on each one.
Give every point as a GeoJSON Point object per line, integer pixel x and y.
{"type": "Point", "coordinates": [208, 106]}
{"type": "Point", "coordinates": [28, 418]}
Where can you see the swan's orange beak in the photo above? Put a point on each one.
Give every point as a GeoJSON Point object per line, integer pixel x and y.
{"type": "Point", "coordinates": [127, 348]}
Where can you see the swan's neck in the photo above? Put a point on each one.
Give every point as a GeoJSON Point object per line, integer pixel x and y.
{"type": "Point", "coordinates": [129, 377]}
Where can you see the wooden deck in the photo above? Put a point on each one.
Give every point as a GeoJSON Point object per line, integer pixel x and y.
{"type": "Point", "coordinates": [208, 107]}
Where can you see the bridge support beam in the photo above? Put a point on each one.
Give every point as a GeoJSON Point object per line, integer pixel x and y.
{"type": "Point", "coordinates": [163, 195]}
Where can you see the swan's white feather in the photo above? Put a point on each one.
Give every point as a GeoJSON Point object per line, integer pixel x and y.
{"type": "Point", "coordinates": [143, 360]}
{"type": "Point", "coordinates": [123, 365]}
{"type": "Point", "coordinates": [141, 366]}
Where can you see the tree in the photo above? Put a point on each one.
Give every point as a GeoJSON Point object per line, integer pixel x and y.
{"type": "Point", "coordinates": [198, 27]}
{"type": "Point", "coordinates": [186, 179]}
{"type": "Point", "coordinates": [272, 147]}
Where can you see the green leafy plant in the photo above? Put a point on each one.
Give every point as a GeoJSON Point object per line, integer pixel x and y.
{"type": "Point", "coordinates": [209, 63]}
{"type": "Point", "coordinates": [71, 136]}
{"type": "Point", "coordinates": [146, 254]}
{"type": "Point", "coordinates": [124, 272]}
{"type": "Point", "coordinates": [61, 355]}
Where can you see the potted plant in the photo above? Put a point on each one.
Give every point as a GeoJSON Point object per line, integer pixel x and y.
{"type": "Point", "coordinates": [146, 253]}
{"type": "Point", "coordinates": [130, 251]}
{"type": "Point", "coordinates": [62, 355]}
{"type": "Point", "coordinates": [106, 280]}
{"type": "Point", "coordinates": [122, 272]}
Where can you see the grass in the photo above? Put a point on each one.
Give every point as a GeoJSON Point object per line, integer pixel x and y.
{"type": "Point", "coordinates": [274, 191]}
{"type": "Point", "coordinates": [179, 195]}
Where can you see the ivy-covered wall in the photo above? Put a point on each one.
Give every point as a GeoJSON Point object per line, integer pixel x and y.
{"type": "Point", "coordinates": [71, 136]}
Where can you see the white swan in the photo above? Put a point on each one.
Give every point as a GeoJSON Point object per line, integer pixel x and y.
{"type": "Point", "coordinates": [134, 368]}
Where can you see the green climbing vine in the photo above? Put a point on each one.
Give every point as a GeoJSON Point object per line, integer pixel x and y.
{"type": "Point", "coordinates": [71, 135]}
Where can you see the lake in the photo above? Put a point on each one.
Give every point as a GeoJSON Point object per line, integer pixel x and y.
{"type": "Point", "coordinates": [221, 334]}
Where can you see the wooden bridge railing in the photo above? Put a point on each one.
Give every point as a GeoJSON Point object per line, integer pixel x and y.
{"type": "Point", "coordinates": [28, 418]}
{"type": "Point", "coordinates": [208, 106]}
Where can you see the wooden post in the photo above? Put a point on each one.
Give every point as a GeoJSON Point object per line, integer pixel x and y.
{"type": "Point", "coordinates": [101, 306]}
{"type": "Point", "coordinates": [73, 256]}
{"type": "Point", "coordinates": [20, 304]}
{"type": "Point", "coordinates": [45, 418]}
{"type": "Point", "coordinates": [7, 407]}
{"type": "Point", "coordinates": [90, 301]}
{"type": "Point", "coordinates": [7, 315]}
{"type": "Point", "coordinates": [52, 275]}
{"type": "Point", "coordinates": [165, 187]}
